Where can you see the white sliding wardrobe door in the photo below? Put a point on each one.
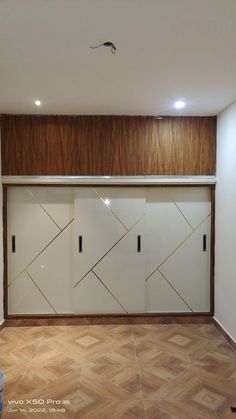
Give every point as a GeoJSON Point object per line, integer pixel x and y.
{"type": "Point", "coordinates": [109, 271]}
{"type": "Point", "coordinates": [178, 249]}
{"type": "Point", "coordinates": [40, 253]}
{"type": "Point", "coordinates": [98, 250]}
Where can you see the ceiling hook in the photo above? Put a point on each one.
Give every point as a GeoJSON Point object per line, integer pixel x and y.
{"type": "Point", "coordinates": [107, 44]}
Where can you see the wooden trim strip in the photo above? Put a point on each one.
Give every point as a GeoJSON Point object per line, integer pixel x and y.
{"type": "Point", "coordinates": [73, 320]}
{"type": "Point", "coordinates": [224, 333]}
{"type": "Point", "coordinates": [212, 256]}
{"type": "Point", "coordinates": [109, 180]}
{"type": "Point", "coordinates": [5, 261]}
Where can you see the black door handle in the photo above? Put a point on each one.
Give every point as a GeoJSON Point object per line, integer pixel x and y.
{"type": "Point", "coordinates": [138, 243]}
{"type": "Point", "coordinates": [204, 237]}
{"type": "Point", "coordinates": [13, 244]}
{"type": "Point", "coordinates": [80, 244]}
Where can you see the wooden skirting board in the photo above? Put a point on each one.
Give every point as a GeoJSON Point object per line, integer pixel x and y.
{"type": "Point", "coordinates": [224, 333]}
{"type": "Point", "coordinates": [2, 325]}
{"type": "Point", "coordinates": [106, 320]}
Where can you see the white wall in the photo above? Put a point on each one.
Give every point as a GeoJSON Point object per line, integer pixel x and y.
{"type": "Point", "coordinates": [1, 247]}
{"type": "Point", "coordinates": [225, 256]}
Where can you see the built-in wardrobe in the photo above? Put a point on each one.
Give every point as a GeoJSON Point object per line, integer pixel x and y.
{"type": "Point", "coordinates": [108, 215]}
{"type": "Point", "coordinates": [108, 249]}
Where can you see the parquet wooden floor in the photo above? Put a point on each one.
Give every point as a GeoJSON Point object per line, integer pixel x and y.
{"type": "Point", "coordinates": [113, 372]}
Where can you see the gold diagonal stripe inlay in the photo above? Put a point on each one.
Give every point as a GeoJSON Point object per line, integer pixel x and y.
{"type": "Point", "coordinates": [108, 207]}
{"type": "Point", "coordinates": [100, 259]}
{"type": "Point", "coordinates": [110, 291]}
{"type": "Point", "coordinates": [178, 208]}
{"type": "Point", "coordinates": [177, 292]}
{"type": "Point", "coordinates": [30, 263]}
{"type": "Point", "coordinates": [44, 209]}
{"type": "Point", "coordinates": [41, 292]}
{"type": "Point", "coordinates": [186, 238]}
{"type": "Point", "coordinates": [181, 212]}
{"type": "Point", "coordinates": [81, 279]}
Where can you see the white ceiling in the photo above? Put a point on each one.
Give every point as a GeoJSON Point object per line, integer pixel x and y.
{"type": "Point", "coordinates": [166, 49]}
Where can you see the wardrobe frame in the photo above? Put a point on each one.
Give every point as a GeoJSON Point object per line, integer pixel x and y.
{"type": "Point", "coordinates": [73, 319]}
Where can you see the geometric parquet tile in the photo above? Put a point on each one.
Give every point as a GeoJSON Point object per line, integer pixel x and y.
{"type": "Point", "coordinates": [114, 372]}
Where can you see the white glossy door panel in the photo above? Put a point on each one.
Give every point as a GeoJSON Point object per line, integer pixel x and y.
{"type": "Point", "coordinates": [178, 270]}
{"type": "Point", "coordinates": [32, 227]}
{"type": "Point", "coordinates": [99, 228]}
{"type": "Point", "coordinates": [52, 271]}
{"type": "Point", "coordinates": [188, 269]}
{"type": "Point", "coordinates": [110, 225]}
{"type": "Point", "coordinates": [166, 228]}
{"type": "Point", "coordinates": [123, 270]}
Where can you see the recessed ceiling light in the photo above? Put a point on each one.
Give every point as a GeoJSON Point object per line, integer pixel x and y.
{"type": "Point", "coordinates": [179, 104]}
{"type": "Point", "coordinates": [38, 102]}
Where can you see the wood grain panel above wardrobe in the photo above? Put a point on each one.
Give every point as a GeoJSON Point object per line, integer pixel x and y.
{"type": "Point", "coordinates": [36, 145]}
{"type": "Point", "coordinates": [182, 146]}
{"type": "Point", "coordinates": [107, 145]}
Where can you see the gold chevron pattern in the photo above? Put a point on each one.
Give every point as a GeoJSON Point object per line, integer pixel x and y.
{"type": "Point", "coordinates": [160, 268]}
{"type": "Point", "coordinates": [120, 372]}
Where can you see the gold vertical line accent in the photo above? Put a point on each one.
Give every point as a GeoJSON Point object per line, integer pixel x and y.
{"type": "Point", "coordinates": [113, 213]}
{"type": "Point", "coordinates": [42, 207]}
{"type": "Point", "coordinates": [41, 292]}
{"type": "Point", "coordinates": [26, 267]}
{"type": "Point", "coordinates": [110, 292]}
{"type": "Point", "coordinates": [186, 238]}
{"type": "Point", "coordinates": [177, 292]}
{"type": "Point", "coordinates": [109, 250]}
